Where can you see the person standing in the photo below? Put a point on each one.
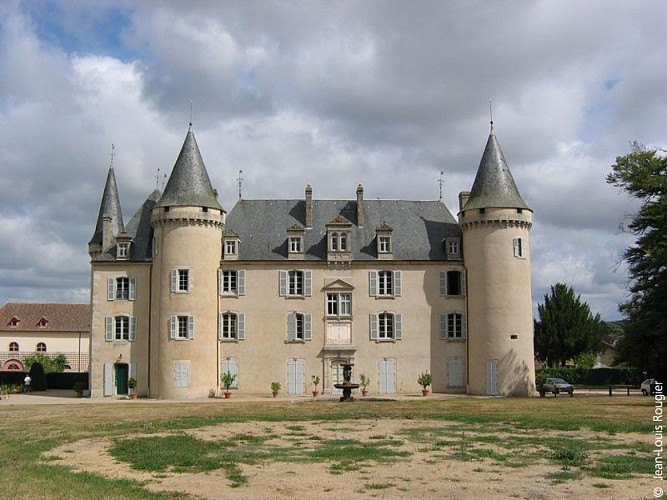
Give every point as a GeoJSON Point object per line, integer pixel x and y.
{"type": "Point", "coordinates": [26, 384]}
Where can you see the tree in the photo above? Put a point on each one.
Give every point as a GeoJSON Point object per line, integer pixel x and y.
{"type": "Point", "coordinates": [643, 174]}
{"type": "Point", "coordinates": [566, 328]}
{"type": "Point", "coordinates": [37, 377]}
{"type": "Point", "coordinates": [54, 364]}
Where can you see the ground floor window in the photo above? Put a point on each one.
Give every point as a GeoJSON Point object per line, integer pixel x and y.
{"type": "Point", "coordinates": [387, 376]}
{"type": "Point", "coordinates": [296, 377]}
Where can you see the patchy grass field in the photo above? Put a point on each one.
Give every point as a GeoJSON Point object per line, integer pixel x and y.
{"type": "Point", "coordinates": [429, 448]}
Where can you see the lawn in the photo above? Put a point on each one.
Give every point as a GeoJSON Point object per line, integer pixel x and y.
{"type": "Point", "coordinates": [544, 429]}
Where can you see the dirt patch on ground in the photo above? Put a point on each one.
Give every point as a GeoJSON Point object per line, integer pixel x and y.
{"type": "Point", "coordinates": [442, 460]}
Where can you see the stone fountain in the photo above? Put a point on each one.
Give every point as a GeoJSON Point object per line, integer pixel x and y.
{"type": "Point", "coordinates": [347, 384]}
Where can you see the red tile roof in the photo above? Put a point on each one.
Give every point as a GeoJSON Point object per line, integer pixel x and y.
{"type": "Point", "coordinates": [59, 317]}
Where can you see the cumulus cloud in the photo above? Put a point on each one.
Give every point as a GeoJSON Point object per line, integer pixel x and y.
{"type": "Point", "coordinates": [331, 94]}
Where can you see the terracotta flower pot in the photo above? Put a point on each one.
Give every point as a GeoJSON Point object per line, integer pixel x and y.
{"type": "Point", "coordinates": [275, 394]}
{"type": "Point", "coordinates": [315, 393]}
{"type": "Point", "coordinates": [134, 395]}
{"type": "Point", "coordinates": [228, 395]}
{"type": "Point", "coordinates": [364, 392]}
{"type": "Point", "coordinates": [425, 392]}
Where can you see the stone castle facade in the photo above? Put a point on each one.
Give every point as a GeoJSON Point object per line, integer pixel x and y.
{"type": "Point", "coordinates": [285, 290]}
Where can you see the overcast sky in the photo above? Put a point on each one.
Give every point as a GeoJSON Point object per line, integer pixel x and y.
{"type": "Point", "coordinates": [386, 94]}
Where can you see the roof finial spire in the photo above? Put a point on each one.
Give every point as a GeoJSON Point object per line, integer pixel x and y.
{"type": "Point", "coordinates": [113, 155]}
{"type": "Point", "coordinates": [441, 183]}
{"type": "Point", "coordinates": [240, 181]}
{"type": "Point", "coordinates": [491, 114]}
{"type": "Point", "coordinates": [191, 113]}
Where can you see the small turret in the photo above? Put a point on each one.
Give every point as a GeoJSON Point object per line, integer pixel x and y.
{"type": "Point", "coordinates": [109, 219]}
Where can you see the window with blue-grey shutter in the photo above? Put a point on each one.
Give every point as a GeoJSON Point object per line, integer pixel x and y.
{"type": "Point", "coordinates": [109, 328]}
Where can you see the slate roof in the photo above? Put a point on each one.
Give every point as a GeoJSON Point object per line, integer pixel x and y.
{"type": "Point", "coordinates": [110, 205]}
{"type": "Point", "coordinates": [189, 184]}
{"type": "Point", "coordinates": [60, 317]}
{"type": "Point", "coordinates": [494, 186]}
{"type": "Point", "coordinates": [141, 230]}
{"type": "Point", "coordinates": [419, 227]}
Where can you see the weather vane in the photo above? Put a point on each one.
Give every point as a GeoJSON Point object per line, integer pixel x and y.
{"type": "Point", "coordinates": [112, 154]}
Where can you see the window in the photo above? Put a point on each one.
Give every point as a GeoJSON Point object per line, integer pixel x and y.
{"type": "Point", "coordinates": [41, 347]}
{"type": "Point", "coordinates": [385, 283]}
{"type": "Point", "coordinates": [519, 248]}
{"type": "Point", "coordinates": [122, 250]}
{"type": "Point", "coordinates": [452, 326]}
{"type": "Point", "coordinates": [386, 326]}
{"type": "Point", "coordinates": [121, 288]}
{"type": "Point", "coordinates": [456, 373]}
{"type": "Point", "coordinates": [295, 244]}
{"type": "Point", "coordinates": [231, 326]}
{"type": "Point", "coordinates": [180, 280]}
{"type": "Point", "coordinates": [384, 244]}
{"type": "Point", "coordinates": [182, 327]}
{"type": "Point", "coordinates": [453, 247]}
{"type": "Point", "coordinates": [14, 322]}
{"type": "Point", "coordinates": [299, 327]}
{"type": "Point", "coordinates": [452, 283]}
{"type": "Point", "coordinates": [43, 323]}
{"type": "Point", "coordinates": [13, 347]}
{"type": "Point", "coordinates": [295, 283]}
{"type": "Point", "coordinates": [231, 282]}
{"type": "Point", "coordinates": [181, 373]}
{"type": "Point", "coordinates": [230, 247]}
{"type": "Point", "coordinates": [121, 328]}
{"type": "Point", "coordinates": [338, 242]}
{"type": "Point", "coordinates": [339, 304]}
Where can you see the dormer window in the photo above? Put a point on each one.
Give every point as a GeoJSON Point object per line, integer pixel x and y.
{"type": "Point", "coordinates": [123, 241]}
{"type": "Point", "coordinates": [231, 244]}
{"type": "Point", "coordinates": [338, 236]}
{"type": "Point", "coordinates": [295, 245]}
{"type": "Point", "coordinates": [384, 243]}
{"type": "Point", "coordinates": [43, 323]}
{"type": "Point", "coordinates": [338, 242]}
{"type": "Point", "coordinates": [453, 248]}
{"type": "Point", "coordinates": [14, 322]}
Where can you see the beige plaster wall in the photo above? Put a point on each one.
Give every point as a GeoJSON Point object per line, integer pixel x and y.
{"type": "Point", "coordinates": [264, 354]}
{"type": "Point", "coordinates": [119, 351]}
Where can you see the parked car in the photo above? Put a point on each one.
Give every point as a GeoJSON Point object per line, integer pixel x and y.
{"type": "Point", "coordinates": [648, 387]}
{"type": "Point", "coordinates": [556, 386]}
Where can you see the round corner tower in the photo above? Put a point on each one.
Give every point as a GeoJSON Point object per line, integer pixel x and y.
{"type": "Point", "coordinates": [496, 223]}
{"type": "Point", "coordinates": [187, 245]}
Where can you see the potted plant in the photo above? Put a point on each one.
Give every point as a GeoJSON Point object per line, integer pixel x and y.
{"type": "Point", "coordinates": [425, 380]}
{"type": "Point", "coordinates": [275, 388]}
{"type": "Point", "coordinates": [132, 384]}
{"type": "Point", "coordinates": [227, 380]}
{"type": "Point", "coordinates": [316, 381]}
{"type": "Point", "coordinates": [363, 382]}
{"type": "Point", "coordinates": [79, 387]}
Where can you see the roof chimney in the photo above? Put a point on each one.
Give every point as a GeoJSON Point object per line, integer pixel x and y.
{"type": "Point", "coordinates": [463, 199]}
{"type": "Point", "coordinates": [360, 206]}
{"type": "Point", "coordinates": [309, 206]}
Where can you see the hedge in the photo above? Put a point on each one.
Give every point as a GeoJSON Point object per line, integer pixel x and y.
{"type": "Point", "coordinates": [64, 380]}
{"type": "Point", "coordinates": [593, 376]}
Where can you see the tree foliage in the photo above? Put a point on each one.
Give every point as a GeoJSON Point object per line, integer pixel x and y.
{"type": "Point", "coordinates": [50, 364]}
{"type": "Point", "coordinates": [643, 174]}
{"type": "Point", "coordinates": [566, 328]}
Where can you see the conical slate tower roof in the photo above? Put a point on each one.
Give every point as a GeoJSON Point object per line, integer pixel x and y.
{"type": "Point", "coordinates": [110, 206]}
{"type": "Point", "coordinates": [189, 184]}
{"type": "Point", "coordinates": [494, 185]}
